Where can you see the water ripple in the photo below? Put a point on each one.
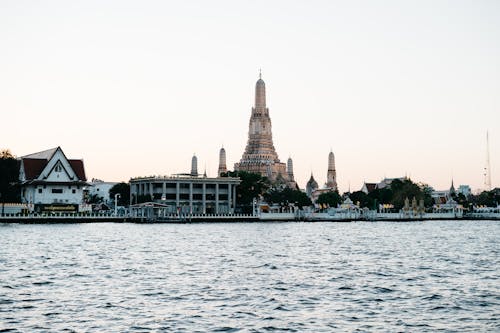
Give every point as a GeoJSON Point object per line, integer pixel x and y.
{"type": "Point", "coordinates": [255, 277]}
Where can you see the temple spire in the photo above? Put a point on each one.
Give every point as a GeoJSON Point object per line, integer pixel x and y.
{"type": "Point", "coordinates": [260, 155]}
{"type": "Point", "coordinates": [260, 95]}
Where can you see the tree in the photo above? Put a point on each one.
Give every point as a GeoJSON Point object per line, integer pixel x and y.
{"type": "Point", "coordinates": [362, 199]}
{"type": "Point", "coordinates": [9, 178]}
{"type": "Point", "coordinates": [381, 196]}
{"type": "Point", "coordinates": [403, 189]}
{"type": "Point", "coordinates": [252, 186]}
{"type": "Point", "coordinates": [286, 195]}
{"type": "Point", "coordinates": [94, 199]}
{"type": "Point", "coordinates": [123, 189]}
{"type": "Point", "coordinates": [395, 194]}
{"type": "Point", "coordinates": [487, 198]}
{"type": "Point", "coordinates": [6, 154]}
{"type": "Point", "coordinates": [331, 199]}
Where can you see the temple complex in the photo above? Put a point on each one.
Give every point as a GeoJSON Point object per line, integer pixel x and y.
{"type": "Point", "coordinates": [260, 156]}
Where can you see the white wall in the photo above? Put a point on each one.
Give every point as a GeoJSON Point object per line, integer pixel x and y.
{"type": "Point", "coordinates": [101, 189]}
{"type": "Point", "coordinates": [67, 196]}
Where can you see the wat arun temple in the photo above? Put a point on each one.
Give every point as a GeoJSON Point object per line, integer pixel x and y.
{"type": "Point", "coordinates": [260, 155]}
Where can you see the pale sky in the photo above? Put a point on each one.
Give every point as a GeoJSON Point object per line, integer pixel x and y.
{"type": "Point", "coordinates": [136, 87]}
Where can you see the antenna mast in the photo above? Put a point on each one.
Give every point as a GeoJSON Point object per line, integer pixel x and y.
{"type": "Point", "coordinates": [487, 171]}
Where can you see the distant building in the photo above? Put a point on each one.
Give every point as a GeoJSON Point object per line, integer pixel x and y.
{"type": "Point", "coordinates": [187, 193]}
{"type": "Point", "coordinates": [194, 166]}
{"type": "Point", "coordinates": [50, 182]}
{"type": "Point", "coordinates": [311, 186]}
{"type": "Point", "coordinates": [446, 196]}
{"type": "Point", "coordinates": [465, 190]}
{"type": "Point", "coordinates": [101, 189]}
{"type": "Point", "coordinates": [222, 162]}
{"type": "Point", "coordinates": [260, 156]}
{"type": "Point", "coordinates": [291, 178]}
{"type": "Point", "coordinates": [312, 189]}
{"type": "Point", "coordinates": [331, 178]}
{"type": "Point", "coordinates": [386, 182]}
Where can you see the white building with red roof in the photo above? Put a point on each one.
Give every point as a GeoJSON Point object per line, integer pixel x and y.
{"type": "Point", "coordinates": [50, 182]}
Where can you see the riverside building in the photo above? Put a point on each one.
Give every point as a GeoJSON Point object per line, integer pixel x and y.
{"type": "Point", "coordinates": [187, 193]}
{"type": "Point", "coordinates": [50, 182]}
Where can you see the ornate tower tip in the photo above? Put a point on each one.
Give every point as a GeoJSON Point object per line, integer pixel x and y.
{"type": "Point", "coordinates": [260, 73]}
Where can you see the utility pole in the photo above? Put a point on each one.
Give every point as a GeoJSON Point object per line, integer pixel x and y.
{"type": "Point", "coordinates": [487, 171]}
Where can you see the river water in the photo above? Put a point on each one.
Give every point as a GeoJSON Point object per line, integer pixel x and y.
{"type": "Point", "coordinates": [251, 277]}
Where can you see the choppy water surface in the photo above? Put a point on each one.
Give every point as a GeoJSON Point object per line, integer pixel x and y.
{"type": "Point", "coordinates": [255, 277]}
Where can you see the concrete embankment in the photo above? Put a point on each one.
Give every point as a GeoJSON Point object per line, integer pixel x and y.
{"type": "Point", "coordinates": [227, 219]}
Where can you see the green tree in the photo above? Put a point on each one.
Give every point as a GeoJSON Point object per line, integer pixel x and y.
{"type": "Point", "coordinates": [403, 189]}
{"type": "Point", "coordinates": [362, 199]}
{"type": "Point", "coordinates": [284, 196]}
{"type": "Point", "coordinates": [462, 200]}
{"type": "Point", "coordinates": [395, 194]}
{"type": "Point", "coordinates": [487, 198]}
{"type": "Point", "coordinates": [380, 196]}
{"type": "Point", "coordinates": [331, 199]}
{"type": "Point", "coordinates": [427, 191]}
{"type": "Point", "coordinates": [124, 190]}
{"type": "Point", "coordinates": [252, 186]}
{"type": "Point", "coordinates": [9, 178]}
{"type": "Point", "coordinates": [94, 199]}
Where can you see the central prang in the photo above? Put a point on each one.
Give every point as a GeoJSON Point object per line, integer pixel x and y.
{"type": "Point", "coordinates": [260, 156]}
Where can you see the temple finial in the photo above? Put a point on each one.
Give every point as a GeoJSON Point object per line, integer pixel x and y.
{"type": "Point", "coordinates": [260, 73]}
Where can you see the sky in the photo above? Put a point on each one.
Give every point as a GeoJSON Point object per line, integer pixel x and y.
{"type": "Point", "coordinates": [135, 88]}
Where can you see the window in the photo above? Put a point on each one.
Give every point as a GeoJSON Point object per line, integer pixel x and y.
{"type": "Point", "coordinates": [57, 190]}
{"type": "Point", "coordinates": [73, 191]}
{"type": "Point", "coordinates": [40, 190]}
{"type": "Point", "coordinates": [58, 168]}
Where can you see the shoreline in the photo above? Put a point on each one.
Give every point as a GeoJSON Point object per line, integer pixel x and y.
{"type": "Point", "coordinates": [236, 219]}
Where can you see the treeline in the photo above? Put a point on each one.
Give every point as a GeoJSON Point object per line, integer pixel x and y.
{"type": "Point", "coordinates": [394, 194]}
{"type": "Point", "coordinates": [9, 178]}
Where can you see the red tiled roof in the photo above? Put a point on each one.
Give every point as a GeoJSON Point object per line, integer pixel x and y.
{"type": "Point", "coordinates": [77, 166]}
{"type": "Point", "coordinates": [33, 167]}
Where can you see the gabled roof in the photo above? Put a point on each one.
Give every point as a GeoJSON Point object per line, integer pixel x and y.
{"type": "Point", "coordinates": [46, 154]}
{"type": "Point", "coordinates": [35, 163]}
{"type": "Point", "coordinates": [77, 166]}
{"type": "Point", "coordinates": [33, 167]}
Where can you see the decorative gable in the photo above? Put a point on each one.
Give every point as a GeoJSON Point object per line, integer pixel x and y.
{"type": "Point", "coordinates": [51, 166]}
{"type": "Point", "coordinates": [58, 169]}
